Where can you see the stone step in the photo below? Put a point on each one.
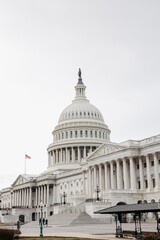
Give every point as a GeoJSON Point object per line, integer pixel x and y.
{"type": "Point", "coordinates": [84, 218]}
{"type": "Point", "coordinates": [62, 218]}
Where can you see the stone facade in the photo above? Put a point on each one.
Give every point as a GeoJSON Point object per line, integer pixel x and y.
{"type": "Point", "coordinates": [81, 158]}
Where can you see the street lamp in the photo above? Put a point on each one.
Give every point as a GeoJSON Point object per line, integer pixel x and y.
{"type": "Point", "coordinates": [97, 191]}
{"type": "Point", "coordinates": [41, 223]}
{"type": "Point", "coordinates": [64, 196]}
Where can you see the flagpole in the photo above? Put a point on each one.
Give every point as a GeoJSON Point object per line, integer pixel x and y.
{"type": "Point", "coordinates": [25, 165]}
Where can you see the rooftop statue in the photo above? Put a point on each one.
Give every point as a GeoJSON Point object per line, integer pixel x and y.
{"type": "Point", "coordinates": [79, 73]}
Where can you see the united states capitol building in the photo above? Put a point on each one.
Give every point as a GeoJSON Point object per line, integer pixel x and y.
{"type": "Point", "coordinates": [80, 159]}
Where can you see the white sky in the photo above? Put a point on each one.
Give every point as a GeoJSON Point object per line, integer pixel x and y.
{"type": "Point", "coordinates": [116, 43]}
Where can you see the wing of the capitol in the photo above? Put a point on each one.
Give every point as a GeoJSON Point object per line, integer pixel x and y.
{"type": "Point", "coordinates": [86, 171]}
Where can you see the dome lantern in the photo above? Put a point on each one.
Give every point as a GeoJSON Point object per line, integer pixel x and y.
{"type": "Point", "coordinates": [80, 88]}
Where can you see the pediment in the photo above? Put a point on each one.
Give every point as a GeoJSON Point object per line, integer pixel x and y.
{"type": "Point", "coordinates": [20, 180]}
{"type": "Point", "coordinates": [105, 149]}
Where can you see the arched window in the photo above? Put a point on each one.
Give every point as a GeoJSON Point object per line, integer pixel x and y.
{"type": "Point", "coordinates": [81, 133]}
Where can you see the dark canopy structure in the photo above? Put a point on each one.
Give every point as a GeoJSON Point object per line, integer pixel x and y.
{"type": "Point", "coordinates": [136, 210]}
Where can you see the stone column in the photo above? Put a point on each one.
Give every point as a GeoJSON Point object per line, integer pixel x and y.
{"type": "Point", "coordinates": [132, 173]}
{"type": "Point", "coordinates": [79, 157]}
{"type": "Point", "coordinates": [66, 158]}
{"type": "Point", "coordinates": [156, 170]}
{"type": "Point", "coordinates": [125, 174]}
{"type": "Point", "coordinates": [84, 153]}
{"type": "Point", "coordinates": [100, 177]}
{"type": "Point", "coordinates": [84, 183]}
{"type": "Point", "coordinates": [30, 197]}
{"type": "Point", "coordinates": [148, 172]}
{"type": "Point", "coordinates": [141, 173]}
{"type": "Point", "coordinates": [118, 175]}
{"type": "Point", "coordinates": [44, 194]}
{"type": "Point", "coordinates": [73, 155]}
{"type": "Point", "coordinates": [39, 195]}
{"type": "Point", "coordinates": [95, 177]}
{"type": "Point", "coordinates": [47, 195]}
{"type": "Point", "coordinates": [53, 157]}
{"type": "Point", "coordinates": [57, 160]}
{"type": "Point", "coordinates": [113, 185]}
{"type": "Point", "coordinates": [49, 159]}
{"type": "Point", "coordinates": [61, 155]}
{"type": "Point", "coordinates": [89, 181]}
{"type": "Point", "coordinates": [106, 176]}
{"type": "Point", "coordinates": [36, 202]}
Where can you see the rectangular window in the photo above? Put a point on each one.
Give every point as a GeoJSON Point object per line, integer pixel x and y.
{"type": "Point", "coordinates": [152, 163]}
{"type": "Point", "coordinates": [146, 183]}
{"type": "Point", "coordinates": [137, 166]}
{"type": "Point", "coordinates": [153, 180]}
{"type": "Point", "coordinates": [145, 165]}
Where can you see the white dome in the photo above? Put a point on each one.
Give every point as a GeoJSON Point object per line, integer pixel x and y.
{"type": "Point", "coordinates": [80, 109]}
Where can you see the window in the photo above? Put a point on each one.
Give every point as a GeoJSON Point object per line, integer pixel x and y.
{"type": "Point", "coordinates": [72, 113]}
{"type": "Point", "coordinates": [70, 134]}
{"type": "Point", "coordinates": [137, 166]}
{"type": "Point", "coordinates": [62, 135]}
{"type": "Point", "coordinates": [99, 134]}
{"type": "Point", "coordinates": [88, 114]}
{"type": "Point", "coordinates": [153, 182]}
{"type": "Point", "coordinates": [80, 113]}
{"type": "Point", "coordinates": [86, 133]}
{"type": "Point", "coordinates": [103, 135]}
{"type": "Point", "coordinates": [145, 165]}
{"type": "Point", "coordinates": [66, 134]}
{"type": "Point", "coordinates": [81, 133]}
{"type": "Point", "coordinates": [159, 161]}
{"type": "Point", "coordinates": [146, 183]}
{"type": "Point", "coordinates": [152, 163]}
{"type": "Point", "coordinates": [84, 113]}
{"type": "Point", "coordinates": [91, 133]}
{"type": "Point", "coordinates": [75, 133]}
{"type": "Point", "coordinates": [96, 134]}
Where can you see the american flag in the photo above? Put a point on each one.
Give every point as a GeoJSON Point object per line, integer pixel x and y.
{"type": "Point", "coordinates": [27, 157]}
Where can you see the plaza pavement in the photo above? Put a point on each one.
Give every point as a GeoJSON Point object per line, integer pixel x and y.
{"type": "Point", "coordinates": [98, 231]}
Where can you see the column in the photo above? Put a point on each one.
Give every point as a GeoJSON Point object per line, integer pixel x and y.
{"type": "Point", "coordinates": [125, 174]}
{"type": "Point", "coordinates": [106, 177]}
{"type": "Point", "coordinates": [48, 195]}
{"type": "Point", "coordinates": [119, 175]}
{"type": "Point", "coordinates": [44, 195]}
{"type": "Point", "coordinates": [89, 181]}
{"type": "Point", "coordinates": [36, 203]}
{"type": "Point", "coordinates": [53, 157]}
{"type": "Point", "coordinates": [156, 170]}
{"type": "Point", "coordinates": [84, 183]}
{"type": "Point", "coordinates": [148, 172]}
{"type": "Point", "coordinates": [30, 197]}
{"type": "Point", "coordinates": [132, 173]}
{"type": "Point", "coordinates": [84, 152]}
{"type": "Point", "coordinates": [95, 178]}
{"type": "Point", "coordinates": [39, 195]}
{"type": "Point", "coordinates": [61, 155]}
{"type": "Point", "coordinates": [100, 177]}
{"type": "Point", "coordinates": [113, 185]}
{"type": "Point", "coordinates": [141, 173]}
{"type": "Point", "coordinates": [56, 155]}
{"type": "Point", "coordinates": [79, 158]}
{"type": "Point", "coordinates": [72, 155]}
{"type": "Point", "coordinates": [66, 159]}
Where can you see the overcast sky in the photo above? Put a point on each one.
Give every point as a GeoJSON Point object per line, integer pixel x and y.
{"type": "Point", "coordinates": [116, 43]}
